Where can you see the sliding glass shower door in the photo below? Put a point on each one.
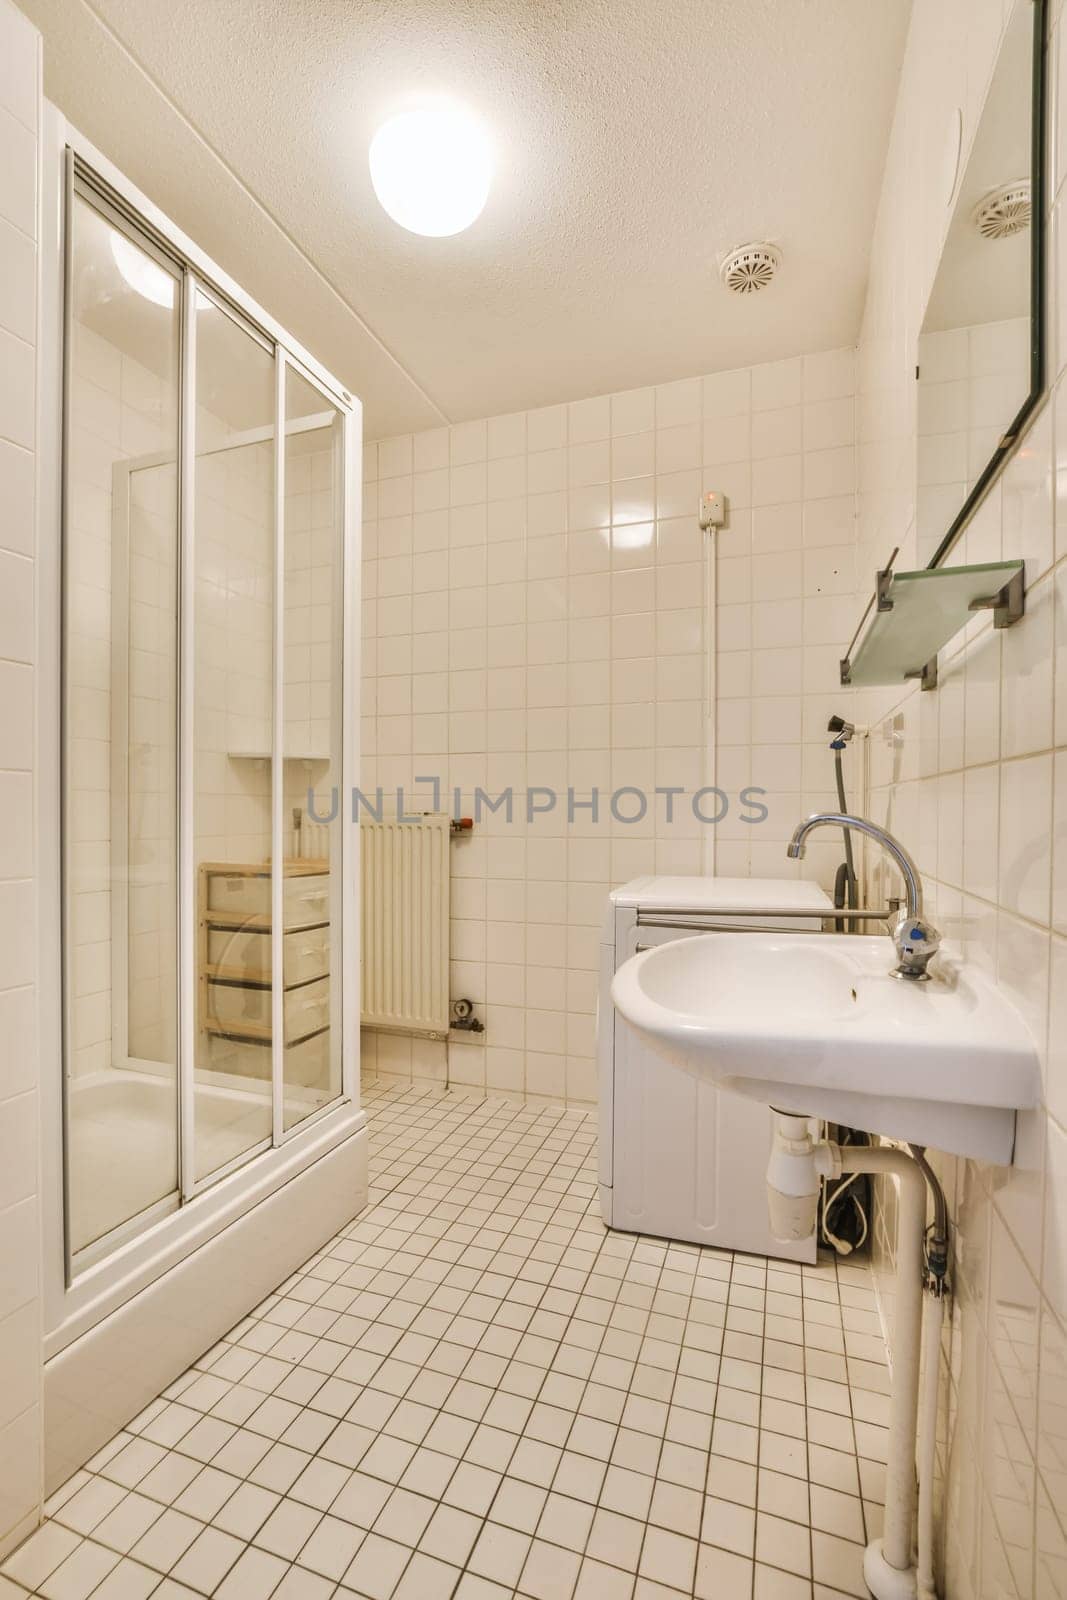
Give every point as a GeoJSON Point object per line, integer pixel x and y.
{"type": "Point", "coordinates": [203, 697]}
{"type": "Point", "coordinates": [312, 617]}
{"type": "Point", "coordinates": [233, 734]}
{"type": "Point", "coordinates": [120, 813]}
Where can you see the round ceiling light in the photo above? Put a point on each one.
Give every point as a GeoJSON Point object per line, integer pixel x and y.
{"type": "Point", "coordinates": [145, 276]}
{"type": "Point", "coordinates": [431, 169]}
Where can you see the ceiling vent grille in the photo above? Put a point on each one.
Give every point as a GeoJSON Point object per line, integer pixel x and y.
{"type": "Point", "coordinates": [750, 268]}
{"type": "Point", "coordinates": [1004, 211]}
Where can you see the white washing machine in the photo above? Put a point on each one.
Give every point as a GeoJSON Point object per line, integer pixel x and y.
{"type": "Point", "coordinates": [679, 1158]}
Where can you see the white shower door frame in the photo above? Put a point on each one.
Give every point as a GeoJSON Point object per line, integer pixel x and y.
{"type": "Point", "coordinates": [332, 1138]}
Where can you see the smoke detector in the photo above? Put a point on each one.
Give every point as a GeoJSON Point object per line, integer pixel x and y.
{"type": "Point", "coordinates": [750, 268]}
{"type": "Point", "coordinates": [1004, 211]}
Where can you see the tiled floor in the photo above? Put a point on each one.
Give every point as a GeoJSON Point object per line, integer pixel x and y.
{"type": "Point", "coordinates": [477, 1390]}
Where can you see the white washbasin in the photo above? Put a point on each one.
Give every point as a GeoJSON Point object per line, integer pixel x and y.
{"type": "Point", "coordinates": [815, 1023]}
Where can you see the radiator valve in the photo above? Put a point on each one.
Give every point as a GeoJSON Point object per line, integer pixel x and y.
{"type": "Point", "coordinates": [462, 1017]}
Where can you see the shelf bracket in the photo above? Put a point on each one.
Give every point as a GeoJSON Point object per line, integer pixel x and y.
{"type": "Point", "coordinates": [927, 675]}
{"type": "Point", "coordinates": [1007, 605]}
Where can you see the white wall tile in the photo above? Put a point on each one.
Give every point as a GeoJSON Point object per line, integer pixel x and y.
{"type": "Point", "coordinates": [18, 172]}
{"type": "Point", "coordinates": [1026, 681]}
{"type": "Point", "coordinates": [678, 403]}
{"type": "Point", "coordinates": [16, 490]}
{"type": "Point", "coordinates": [16, 390]}
{"type": "Point", "coordinates": [20, 1313]}
{"type": "Point", "coordinates": [506, 436]}
{"type": "Point", "coordinates": [778, 383]}
{"type": "Point", "coordinates": [975, 758]}
{"type": "Point", "coordinates": [18, 282]}
{"type": "Point", "coordinates": [565, 595]}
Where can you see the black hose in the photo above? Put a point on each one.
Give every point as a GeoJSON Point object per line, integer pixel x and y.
{"type": "Point", "coordinates": [841, 896]}
{"type": "Point", "coordinates": [936, 1244]}
{"type": "Point", "coordinates": [851, 887]}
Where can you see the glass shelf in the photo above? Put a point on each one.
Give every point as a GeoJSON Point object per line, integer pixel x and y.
{"type": "Point", "coordinates": [913, 615]}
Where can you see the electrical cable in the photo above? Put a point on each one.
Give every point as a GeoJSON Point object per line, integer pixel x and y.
{"type": "Point", "coordinates": [834, 1231]}
{"type": "Point", "coordinates": [830, 1198]}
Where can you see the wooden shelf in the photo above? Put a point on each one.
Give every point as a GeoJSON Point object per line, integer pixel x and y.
{"type": "Point", "coordinates": [291, 868]}
{"type": "Point", "coordinates": [256, 922]}
{"type": "Point", "coordinates": [238, 976]}
{"type": "Point", "coordinates": [256, 1032]}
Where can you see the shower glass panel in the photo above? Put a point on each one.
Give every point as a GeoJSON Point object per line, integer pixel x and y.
{"type": "Point", "coordinates": [312, 686]}
{"type": "Point", "coordinates": [203, 901]}
{"type": "Point", "coordinates": [233, 723]}
{"type": "Point", "coordinates": [119, 729]}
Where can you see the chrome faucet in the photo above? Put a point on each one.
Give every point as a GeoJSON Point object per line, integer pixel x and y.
{"type": "Point", "coordinates": [916, 940]}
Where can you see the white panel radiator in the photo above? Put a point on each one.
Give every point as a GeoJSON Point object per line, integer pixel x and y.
{"type": "Point", "coordinates": [405, 910]}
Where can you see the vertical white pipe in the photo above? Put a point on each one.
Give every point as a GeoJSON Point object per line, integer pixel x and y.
{"type": "Point", "coordinates": [933, 1316]}
{"type": "Point", "coordinates": [907, 1322]}
{"type": "Point", "coordinates": [896, 1542]}
{"type": "Point", "coordinates": [710, 729]}
{"type": "Point", "coordinates": [188, 888]}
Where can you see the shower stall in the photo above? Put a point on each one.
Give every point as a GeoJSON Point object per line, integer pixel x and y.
{"type": "Point", "coordinates": [201, 1128]}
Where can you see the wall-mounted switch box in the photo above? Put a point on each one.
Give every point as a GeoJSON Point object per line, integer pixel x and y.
{"type": "Point", "coordinates": [713, 509]}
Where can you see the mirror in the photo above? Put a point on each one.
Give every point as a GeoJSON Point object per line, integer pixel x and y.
{"type": "Point", "coordinates": [980, 359]}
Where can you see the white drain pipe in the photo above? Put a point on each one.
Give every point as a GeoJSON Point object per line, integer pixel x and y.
{"type": "Point", "coordinates": [888, 1564]}
{"type": "Point", "coordinates": [933, 1316]}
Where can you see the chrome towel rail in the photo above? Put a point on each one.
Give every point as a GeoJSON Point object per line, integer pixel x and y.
{"type": "Point", "coordinates": [680, 918]}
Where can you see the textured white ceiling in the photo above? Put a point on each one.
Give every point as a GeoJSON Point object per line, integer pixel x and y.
{"type": "Point", "coordinates": [637, 141]}
{"type": "Point", "coordinates": [982, 280]}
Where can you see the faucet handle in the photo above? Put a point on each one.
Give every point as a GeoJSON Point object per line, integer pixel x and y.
{"type": "Point", "coordinates": [917, 942]}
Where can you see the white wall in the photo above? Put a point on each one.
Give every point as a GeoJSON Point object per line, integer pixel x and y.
{"type": "Point", "coordinates": [971, 380]}
{"type": "Point", "coordinates": [20, 1245]}
{"type": "Point", "coordinates": [536, 615]}
{"type": "Point", "coordinates": [974, 778]}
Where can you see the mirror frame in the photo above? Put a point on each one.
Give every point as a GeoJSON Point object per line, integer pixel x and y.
{"type": "Point", "coordinates": [1038, 320]}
